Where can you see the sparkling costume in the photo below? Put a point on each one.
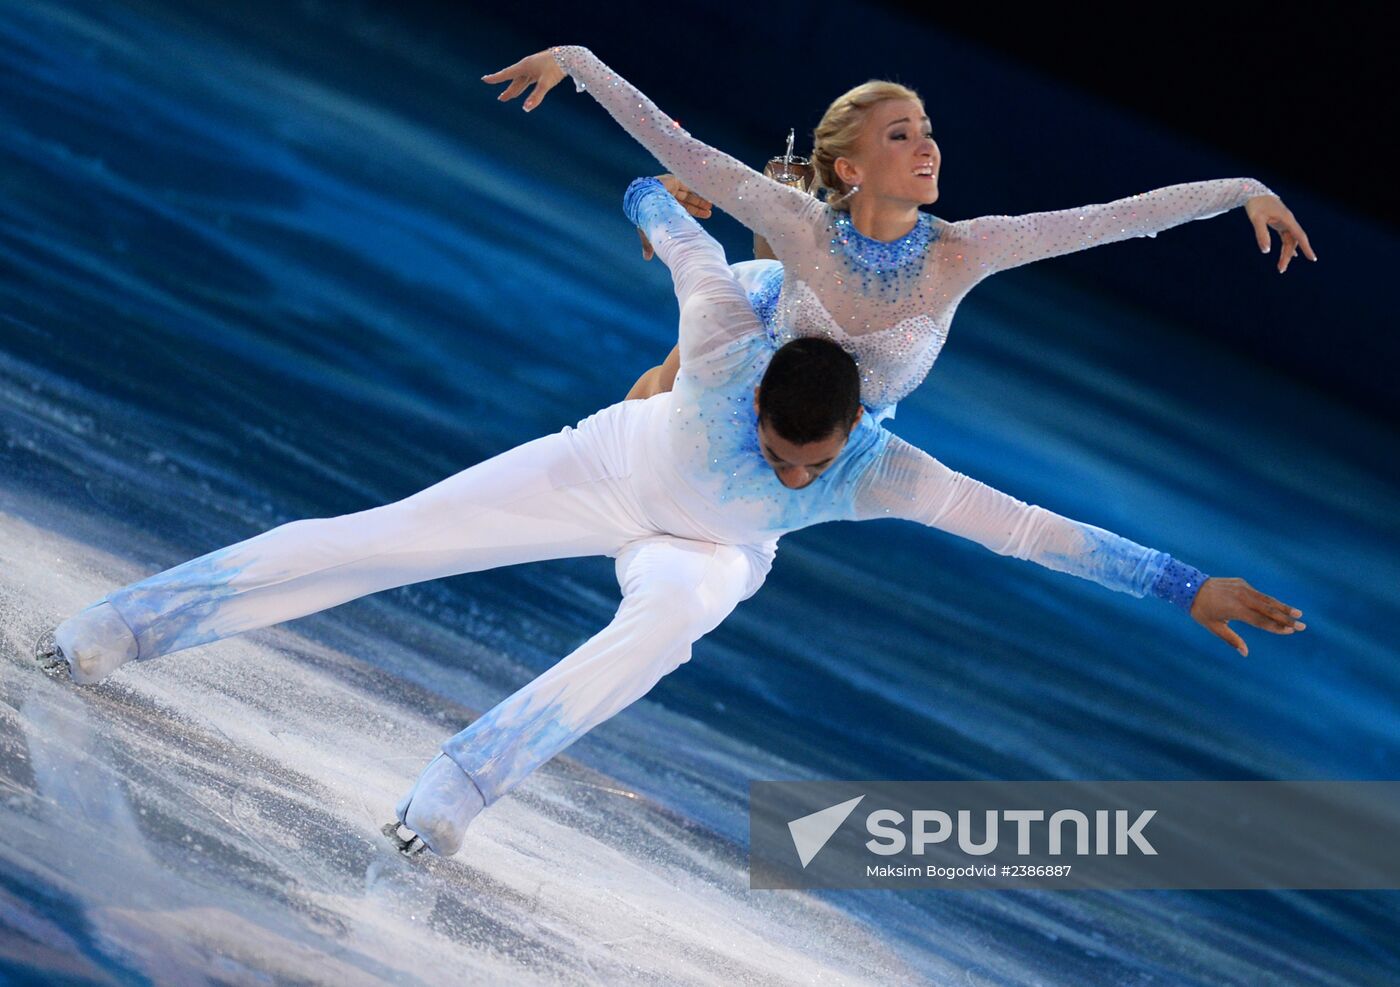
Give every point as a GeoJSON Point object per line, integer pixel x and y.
{"type": "Point", "coordinates": [674, 487]}
{"type": "Point", "coordinates": [887, 304]}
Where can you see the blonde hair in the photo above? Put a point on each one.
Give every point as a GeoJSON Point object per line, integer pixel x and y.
{"type": "Point", "coordinates": [836, 135]}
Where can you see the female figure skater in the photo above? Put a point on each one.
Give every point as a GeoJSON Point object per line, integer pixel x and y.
{"type": "Point", "coordinates": [867, 269]}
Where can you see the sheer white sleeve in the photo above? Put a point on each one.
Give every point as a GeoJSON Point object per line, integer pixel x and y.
{"type": "Point", "coordinates": [907, 482]}
{"type": "Point", "coordinates": [995, 243]}
{"type": "Point", "coordinates": [714, 307]}
{"type": "Point", "coordinates": [765, 206]}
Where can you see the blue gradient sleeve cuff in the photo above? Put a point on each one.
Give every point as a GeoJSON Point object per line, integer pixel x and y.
{"type": "Point", "coordinates": [636, 192]}
{"type": "Point", "coordinates": [1178, 583]}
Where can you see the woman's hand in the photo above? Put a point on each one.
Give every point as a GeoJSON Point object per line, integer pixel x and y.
{"type": "Point", "coordinates": [1220, 601]}
{"type": "Point", "coordinates": [540, 70]}
{"type": "Point", "coordinates": [1268, 212]}
{"type": "Point", "coordinates": [696, 205]}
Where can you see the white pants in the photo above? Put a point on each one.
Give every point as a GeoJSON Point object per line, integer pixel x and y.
{"type": "Point", "coordinates": [560, 496]}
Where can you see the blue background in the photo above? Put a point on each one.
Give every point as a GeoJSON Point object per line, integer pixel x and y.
{"type": "Point", "coordinates": [260, 263]}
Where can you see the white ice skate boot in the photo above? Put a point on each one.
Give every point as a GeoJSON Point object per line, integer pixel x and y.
{"type": "Point", "coordinates": [94, 643]}
{"type": "Point", "coordinates": [439, 808]}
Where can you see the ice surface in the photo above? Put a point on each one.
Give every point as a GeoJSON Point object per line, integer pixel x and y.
{"type": "Point", "coordinates": [215, 814]}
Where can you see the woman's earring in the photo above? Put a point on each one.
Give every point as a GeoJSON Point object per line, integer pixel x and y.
{"type": "Point", "coordinates": [853, 191]}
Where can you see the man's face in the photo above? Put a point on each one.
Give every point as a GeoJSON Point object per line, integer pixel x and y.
{"type": "Point", "coordinates": [797, 465]}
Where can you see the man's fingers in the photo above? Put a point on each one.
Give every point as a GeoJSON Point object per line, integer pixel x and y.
{"type": "Point", "coordinates": [1278, 616]}
{"type": "Point", "coordinates": [1222, 630]}
{"type": "Point", "coordinates": [647, 251]}
{"type": "Point", "coordinates": [1254, 617]}
{"type": "Point", "coordinates": [1281, 617]}
{"type": "Point", "coordinates": [697, 205]}
{"type": "Point", "coordinates": [1276, 610]}
{"type": "Point", "coordinates": [1279, 604]}
{"type": "Point", "coordinates": [689, 199]}
{"type": "Point", "coordinates": [1267, 621]}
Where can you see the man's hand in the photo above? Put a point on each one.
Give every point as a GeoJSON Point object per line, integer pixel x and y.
{"type": "Point", "coordinates": [1268, 212]}
{"type": "Point", "coordinates": [540, 70]}
{"type": "Point", "coordinates": [696, 205]}
{"type": "Point", "coordinates": [1220, 601]}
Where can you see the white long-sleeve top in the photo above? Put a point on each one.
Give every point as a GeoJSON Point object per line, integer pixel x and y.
{"type": "Point", "coordinates": [889, 304]}
{"type": "Point", "coordinates": [705, 476]}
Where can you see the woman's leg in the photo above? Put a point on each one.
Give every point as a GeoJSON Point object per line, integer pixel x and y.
{"type": "Point", "coordinates": [657, 380]}
{"type": "Point", "coordinates": [546, 499]}
{"type": "Point", "coordinates": [674, 591]}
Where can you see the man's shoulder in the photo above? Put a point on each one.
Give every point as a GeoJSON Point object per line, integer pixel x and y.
{"type": "Point", "coordinates": [864, 447]}
{"type": "Point", "coordinates": [871, 433]}
{"type": "Point", "coordinates": [737, 364]}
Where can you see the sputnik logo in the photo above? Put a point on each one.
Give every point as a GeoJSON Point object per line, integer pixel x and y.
{"type": "Point", "coordinates": [810, 833]}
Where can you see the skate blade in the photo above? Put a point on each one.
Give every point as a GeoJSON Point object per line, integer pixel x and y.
{"type": "Point", "coordinates": [408, 847]}
{"type": "Point", "coordinates": [50, 658]}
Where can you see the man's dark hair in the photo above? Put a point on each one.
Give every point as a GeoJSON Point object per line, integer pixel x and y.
{"type": "Point", "coordinates": [810, 389]}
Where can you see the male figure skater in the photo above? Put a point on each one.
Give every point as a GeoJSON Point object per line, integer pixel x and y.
{"type": "Point", "coordinates": [688, 490]}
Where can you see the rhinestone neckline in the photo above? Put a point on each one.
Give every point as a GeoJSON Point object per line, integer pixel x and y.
{"type": "Point", "coordinates": [881, 268]}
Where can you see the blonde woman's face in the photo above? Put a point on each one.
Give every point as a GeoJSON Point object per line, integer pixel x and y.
{"type": "Point", "coordinates": [896, 156]}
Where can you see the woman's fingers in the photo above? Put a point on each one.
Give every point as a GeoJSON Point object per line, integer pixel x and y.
{"type": "Point", "coordinates": [1307, 247]}
{"type": "Point", "coordinates": [539, 70]}
{"type": "Point", "coordinates": [1300, 239]}
{"type": "Point", "coordinates": [1290, 233]}
{"type": "Point", "coordinates": [510, 71]}
{"type": "Point", "coordinates": [542, 87]}
{"type": "Point", "coordinates": [1261, 232]}
{"type": "Point", "coordinates": [516, 87]}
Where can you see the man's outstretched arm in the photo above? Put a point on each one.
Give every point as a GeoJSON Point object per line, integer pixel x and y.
{"type": "Point", "coordinates": [909, 483]}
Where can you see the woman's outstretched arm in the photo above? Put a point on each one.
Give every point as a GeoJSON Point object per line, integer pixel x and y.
{"type": "Point", "coordinates": [994, 243]}
{"type": "Point", "coordinates": [766, 206]}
